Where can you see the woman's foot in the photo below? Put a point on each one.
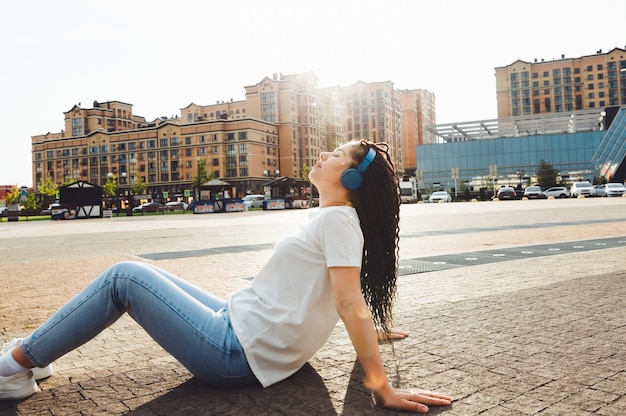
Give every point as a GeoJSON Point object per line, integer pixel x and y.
{"type": "Point", "coordinates": [38, 373]}
{"type": "Point", "coordinates": [18, 386]}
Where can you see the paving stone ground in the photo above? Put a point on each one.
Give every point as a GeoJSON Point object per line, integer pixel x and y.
{"type": "Point", "coordinates": [533, 336]}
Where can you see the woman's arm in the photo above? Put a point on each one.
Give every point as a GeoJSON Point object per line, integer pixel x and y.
{"type": "Point", "coordinates": [354, 313]}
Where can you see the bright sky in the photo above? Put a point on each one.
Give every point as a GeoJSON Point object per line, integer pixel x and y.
{"type": "Point", "coordinates": [162, 55]}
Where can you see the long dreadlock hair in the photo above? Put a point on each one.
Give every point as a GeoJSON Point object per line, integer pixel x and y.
{"type": "Point", "coordinates": [377, 203]}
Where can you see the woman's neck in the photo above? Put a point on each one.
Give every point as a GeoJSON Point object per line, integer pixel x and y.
{"type": "Point", "coordinates": [337, 196]}
{"type": "Point", "coordinates": [331, 203]}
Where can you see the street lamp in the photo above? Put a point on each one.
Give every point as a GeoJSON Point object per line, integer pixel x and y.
{"type": "Point", "coordinates": [520, 173]}
{"type": "Point", "coordinates": [112, 177]}
{"type": "Point", "coordinates": [131, 197]}
{"type": "Point", "coordinates": [123, 175]}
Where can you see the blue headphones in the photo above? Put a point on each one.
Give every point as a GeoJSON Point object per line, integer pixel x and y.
{"type": "Point", "coordinates": [352, 178]}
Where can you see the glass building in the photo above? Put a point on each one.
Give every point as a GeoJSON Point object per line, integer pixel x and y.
{"type": "Point", "coordinates": [508, 152]}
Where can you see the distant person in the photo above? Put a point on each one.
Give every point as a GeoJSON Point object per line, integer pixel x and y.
{"type": "Point", "coordinates": [341, 264]}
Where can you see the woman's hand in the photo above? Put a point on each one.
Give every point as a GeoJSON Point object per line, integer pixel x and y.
{"type": "Point", "coordinates": [393, 334]}
{"type": "Point", "coordinates": [412, 400]}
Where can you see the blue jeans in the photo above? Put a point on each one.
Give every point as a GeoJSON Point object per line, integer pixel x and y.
{"type": "Point", "coordinates": [186, 321]}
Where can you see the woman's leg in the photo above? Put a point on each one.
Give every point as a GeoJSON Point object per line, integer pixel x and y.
{"type": "Point", "coordinates": [176, 314]}
{"type": "Point", "coordinates": [200, 295]}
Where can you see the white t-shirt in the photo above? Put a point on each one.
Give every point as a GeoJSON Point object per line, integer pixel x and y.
{"type": "Point", "coordinates": [287, 312]}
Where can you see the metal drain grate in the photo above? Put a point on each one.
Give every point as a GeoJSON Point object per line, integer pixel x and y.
{"type": "Point", "coordinates": [451, 261]}
{"type": "Point", "coordinates": [206, 252]}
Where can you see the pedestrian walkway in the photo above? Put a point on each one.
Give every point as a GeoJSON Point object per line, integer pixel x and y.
{"type": "Point", "coordinates": [532, 333]}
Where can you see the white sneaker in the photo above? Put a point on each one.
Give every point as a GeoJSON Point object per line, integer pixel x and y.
{"type": "Point", "coordinates": [38, 373]}
{"type": "Point", "coordinates": [18, 386]}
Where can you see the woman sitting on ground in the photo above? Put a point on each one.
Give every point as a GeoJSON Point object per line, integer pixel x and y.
{"type": "Point", "coordinates": [341, 264]}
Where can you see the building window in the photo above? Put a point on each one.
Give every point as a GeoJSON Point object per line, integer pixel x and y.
{"type": "Point", "coordinates": [216, 162]}
{"type": "Point", "coordinates": [243, 171]}
{"type": "Point", "coordinates": [242, 135]}
{"type": "Point", "coordinates": [243, 148]}
{"type": "Point", "coordinates": [163, 143]}
{"type": "Point", "coordinates": [216, 149]}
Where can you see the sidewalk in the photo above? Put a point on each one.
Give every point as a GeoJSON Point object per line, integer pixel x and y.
{"type": "Point", "coordinates": [533, 336]}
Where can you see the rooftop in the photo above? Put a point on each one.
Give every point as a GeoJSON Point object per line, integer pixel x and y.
{"type": "Point", "coordinates": [555, 123]}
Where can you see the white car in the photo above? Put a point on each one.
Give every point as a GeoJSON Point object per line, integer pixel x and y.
{"type": "Point", "coordinates": [440, 196]}
{"type": "Point", "coordinates": [253, 201]}
{"type": "Point", "coordinates": [599, 190]}
{"type": "Point", "coordinates": [177, 205]}
{"type": "Point", "coordinates": [556, 192]}
{"type": "Point", "coordinates": [581, 188]}
{"type": "Point", "coordinates": [614, 189]}
{"type": "Point", "coordinates": [533, 192]}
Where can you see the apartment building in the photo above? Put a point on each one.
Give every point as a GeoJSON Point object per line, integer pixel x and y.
{"type": "Point", "coordinates": [418, 111]}
{"type": "Point", "coordinates": [373, 112]}
{"type": "Point", "coordinates": [279, 129]}
{"type": "Point", "coordinates": [562, 85]}
{"type": "Point", "coordinates": [165, 153]}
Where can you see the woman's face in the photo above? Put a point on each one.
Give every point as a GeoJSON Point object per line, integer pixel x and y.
{"type": "Point", "coordinates": [331, 165]}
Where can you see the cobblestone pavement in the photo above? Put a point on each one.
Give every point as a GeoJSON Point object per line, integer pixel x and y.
{"type": "Point", "coordinates": [542, 335]}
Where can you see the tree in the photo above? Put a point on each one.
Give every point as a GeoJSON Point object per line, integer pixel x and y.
{"type": "Point", "coordinates": [201, 177]}
{"type": "Point", "coordinates": [69, 180]}
{"type": "Point", "coordinates": [110, 186]}
{"type": "Point", "coordinates": [32, 202]}
{"type": "Point", "coordinates": [546, 175]}
{"type": "Point", "coordinates": [13, 195]}
{"type": "Point", "coordinates": [306, 169]}
{"type": "Point", "coordinates": [139, 186]}
{"type": "Point", "coordinates": [48, 189]}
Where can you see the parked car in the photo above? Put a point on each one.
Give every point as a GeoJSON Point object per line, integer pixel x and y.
{"type": "Point", "coordinates": [598, 190]}
{"type": "Point", "coordinates": [177, 205]}
{"type": "Point", "coordinates": [253, 201]}
{"type": "Point", "coordinates": [614, 189]}
{"type": "Point", "coordinates": [581, 188]}
{"type": "Point", "coordinates": [151, 207]}
{"type": "Point", "coordinates": [533, 192]}
{"type": "Point", "coordinates": [506, 192]}
{"type": "Point", "coordinates": [440, 196]}
{"type": "Point", "coordinates": [556, 192]}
